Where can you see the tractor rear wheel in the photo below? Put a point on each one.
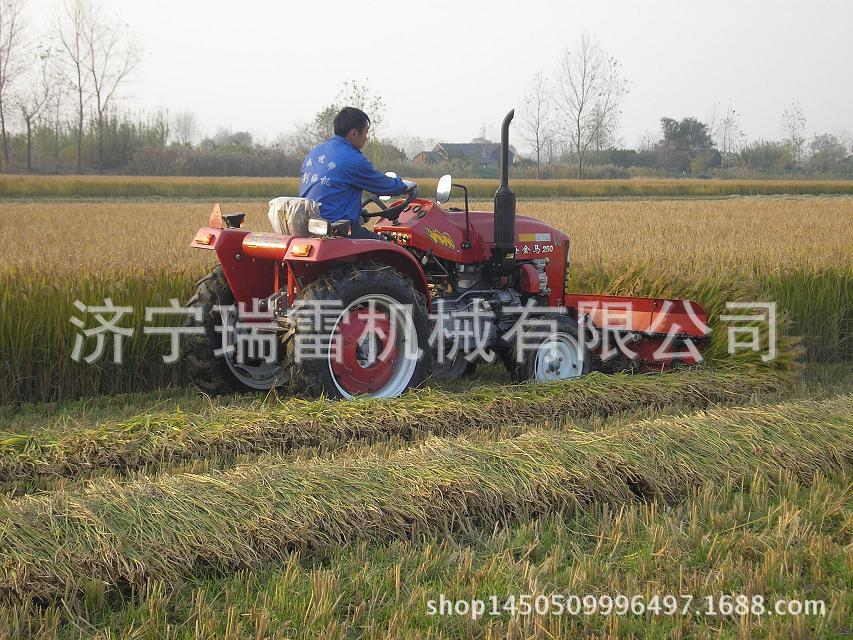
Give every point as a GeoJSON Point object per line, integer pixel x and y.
{"type": "Point", "coordinates": [374, 340]}
{"type": "Point", "coordinates": [455, 368]}
{"type": "Point", "coordinates": [560, 355]}
{"type": "Point", "coordinates": [212, 368]}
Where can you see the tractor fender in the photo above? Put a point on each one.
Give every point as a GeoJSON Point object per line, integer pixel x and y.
{"type": "Point", "coordinates": [328, 253]}
{"type": "Point", "coordinates": [250, 277]}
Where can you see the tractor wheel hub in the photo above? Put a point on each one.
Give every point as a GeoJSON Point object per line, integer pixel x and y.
{"type": "Point", "coordinates": [365, 351]}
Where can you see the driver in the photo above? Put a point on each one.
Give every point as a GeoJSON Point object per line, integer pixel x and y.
{"type": "Point", "coordinates": [336, 172]}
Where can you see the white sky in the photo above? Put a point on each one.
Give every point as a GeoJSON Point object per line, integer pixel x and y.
{"type": "Point", "coordinates": [447, 68]}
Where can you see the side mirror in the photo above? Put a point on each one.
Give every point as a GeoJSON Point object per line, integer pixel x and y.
{"type": "Point", "coordinates": [442, 193]}
{"type": "Point", "coordinates": [390, 174]}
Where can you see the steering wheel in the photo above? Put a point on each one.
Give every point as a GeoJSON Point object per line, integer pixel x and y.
{"type": "Point", "coordinates": [391, 213]}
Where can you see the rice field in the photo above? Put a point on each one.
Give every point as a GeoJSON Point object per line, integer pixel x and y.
{"type": "Point", "coordinates": [587, 509]}
{"type": "Point", "coordinates": [152, 440]}
{"type": "Point", "coordinates": [743, 235]}
{"type": "Point", "coordinates": [73, 186]}
{"type": "Point", "coordinates": [378, 590]}
{"type": "Point", "coordinates": [131, 507]}
{"type": "Point", "coordinates": [791, 249]}
{"type": "Point", "coordinates": [117, 533]}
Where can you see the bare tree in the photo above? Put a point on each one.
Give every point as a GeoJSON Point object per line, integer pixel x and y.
{"type": "Point", "coordinates": [647, 142]}
{"type": "Point", "coordinates": [605, 134]}
{"type": "Point", "coordinates": [55, 113]}
{"type": "Point", "coordinates": [794, 124]}
{"type": "Point", "coordinates": [355, 94]}
{"type": "Point", "coordinates": [413, 145]}
{"type": "Point", "coordinates": [11, 27]}
{"type": "Point", "coordinates": [537, 121]}
{"type": "Point", "coordinates": [320, 128]}
{"type": "Point", "coordinates": [551, 147]}
{"type": "Point", "coordinates": [729, 135]}
{"type": "Point", "coordinates": [591, 90]}
{"type": "Point", "coordinates": [71, 28]}
{"type": "Point", "coordinates": [111, 55]}
{"type": "Point", "coordinates": [185, 128]}
{"type": "Point", "coordinates": [33, 99]}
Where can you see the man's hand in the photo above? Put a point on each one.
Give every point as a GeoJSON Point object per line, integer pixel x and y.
{"type": "Point", "coordinates": [410, 184]}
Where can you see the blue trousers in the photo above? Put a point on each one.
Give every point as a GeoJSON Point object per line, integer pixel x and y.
{"type": "Point", "coordinates": [358, 232]}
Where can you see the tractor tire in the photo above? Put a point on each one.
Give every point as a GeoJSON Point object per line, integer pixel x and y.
{"type": "Point", "coordinates": [368, 361]}
{"type": "Point", "coordinates": [559, 356]}
{"type": "Point", "coordinates": [220, 374]}
{"type": "Point", "coordinates": [455, 369]}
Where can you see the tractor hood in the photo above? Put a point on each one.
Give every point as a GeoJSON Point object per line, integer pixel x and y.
{"type": "Point", "coordinates": [427, 226]}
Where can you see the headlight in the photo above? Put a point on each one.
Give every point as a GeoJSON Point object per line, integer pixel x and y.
{"type": "Point", "coordinates": [318, 227]}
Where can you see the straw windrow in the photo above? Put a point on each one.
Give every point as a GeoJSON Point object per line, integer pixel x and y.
{"type": "Point", "coordinates": [153, 440]}
{"type": "Point", "coordinates": [125, 533]}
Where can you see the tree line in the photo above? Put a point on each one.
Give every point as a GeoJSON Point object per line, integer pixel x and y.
{"type": "Point", "coordinates": [574, 120]}
{"type": "Point", "coordinates": [61, 111]}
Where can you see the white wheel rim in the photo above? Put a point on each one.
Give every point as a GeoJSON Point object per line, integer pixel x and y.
{"type": "Point", "coordinates": [558, 358]}
{"type": "Point", "coordinates": [263, 375]}
{"type": "Point", "coordinates": [407, 340]}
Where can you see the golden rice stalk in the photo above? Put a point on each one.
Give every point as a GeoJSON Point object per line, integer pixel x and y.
{"type": "Point", "coordinates": [155, 439]}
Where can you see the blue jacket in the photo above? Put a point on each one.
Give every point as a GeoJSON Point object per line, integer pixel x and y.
{"type": "Point", "coordinates": [335, 173]}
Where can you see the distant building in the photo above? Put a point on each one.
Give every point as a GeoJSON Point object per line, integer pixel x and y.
{"type": "Point", "coordinates": [483, 155]}
{"type": "Point", "coordinates": [427, 157]}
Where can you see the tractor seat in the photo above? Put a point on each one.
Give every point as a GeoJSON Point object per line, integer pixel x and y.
{"type": "Point", "coordinates": [290, 215]}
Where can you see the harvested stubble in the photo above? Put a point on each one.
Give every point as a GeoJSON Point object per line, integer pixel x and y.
{"type": "Point", "coordinates": [151, 440]}
{"type": "Point", "coordinates": [117, 534]}
{"type": "Point", "coordinates": [705, 544]}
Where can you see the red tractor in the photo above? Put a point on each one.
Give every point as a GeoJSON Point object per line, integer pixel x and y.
{"type": "Point", "coordinates": [444, 289]}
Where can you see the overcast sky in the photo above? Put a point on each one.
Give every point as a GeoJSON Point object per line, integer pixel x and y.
{"type": "Point", "coordinates": [447, 68]}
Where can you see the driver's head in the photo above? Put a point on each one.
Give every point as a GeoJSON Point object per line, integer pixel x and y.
{"type": "Point", "coordinates": [352, 124]}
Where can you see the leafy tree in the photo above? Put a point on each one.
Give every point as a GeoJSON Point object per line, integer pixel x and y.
{"type": "Point", "coordinates": [684, 141]}
{"type": "Point", "coordinates": [829, 155]}
{"type": "Point", "coordinates": [765, 156]}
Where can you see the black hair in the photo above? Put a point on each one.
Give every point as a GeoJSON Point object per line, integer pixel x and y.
{"type": "Point", "coordinates": [350, 118]}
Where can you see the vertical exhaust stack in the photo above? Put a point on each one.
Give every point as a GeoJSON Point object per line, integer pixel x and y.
{"type": "Point", "coordinates": [504, 249]}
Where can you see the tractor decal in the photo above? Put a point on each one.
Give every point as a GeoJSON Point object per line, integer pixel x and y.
{"type": "Point", "coordinates": [441, 237]}
{"type": "Point", "coordinates": [534, 237]}
{"type": "Point", "coordinates": [536, 248]}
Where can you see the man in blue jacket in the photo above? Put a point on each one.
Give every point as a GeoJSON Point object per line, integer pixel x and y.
{"type": "Point", "coordinates": [336, 172]}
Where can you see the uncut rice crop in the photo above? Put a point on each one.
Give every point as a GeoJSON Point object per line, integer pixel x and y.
{"type": "Point", "coordinates": [241, 187]}
{"type": "Point", "coordinates": [795, 250]}
{"type": "Point", "coordinates": [153, 439]}
{"type": "Point", "coordinates": [733, 237]}
{"type": "Point", "coordinates": [117, 534]}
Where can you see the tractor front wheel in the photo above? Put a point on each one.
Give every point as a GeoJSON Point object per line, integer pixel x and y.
{"type": "Point", "coordinates": [367, 334]}
{"type": "Point", "coordinates": [559, 355]}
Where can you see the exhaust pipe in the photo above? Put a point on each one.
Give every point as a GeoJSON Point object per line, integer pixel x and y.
{"type": "Point", "coordinates": [504, 249]}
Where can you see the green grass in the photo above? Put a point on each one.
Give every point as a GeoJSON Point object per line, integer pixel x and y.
{"type": "Point", "coordinates": [167, 528]}
{"type": "Point", "coordinates": [227, 187]}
